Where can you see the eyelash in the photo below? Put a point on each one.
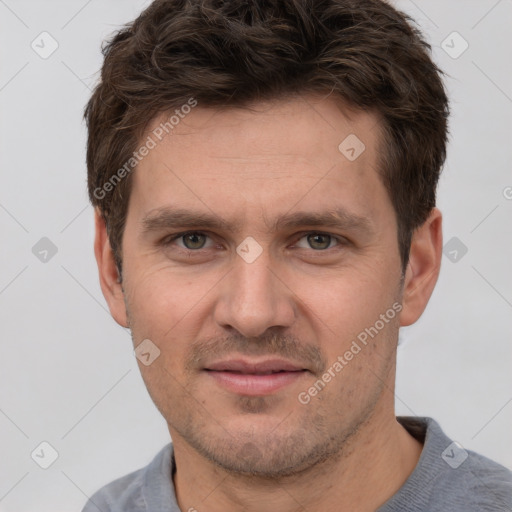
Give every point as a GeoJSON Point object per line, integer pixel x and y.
{"type": "Point", "coordinates": [341, 241]}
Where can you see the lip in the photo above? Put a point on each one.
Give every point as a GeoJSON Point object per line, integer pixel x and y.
{"type": "Point", "coordinates": [254, 367]}
{"type": "Point", "coordinates": [254, 378]}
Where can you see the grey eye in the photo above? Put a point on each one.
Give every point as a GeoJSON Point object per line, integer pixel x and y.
{"type": "Point", "coordinates": [194, 240]}
{"type": "Point", "coordinates": [319, 241]}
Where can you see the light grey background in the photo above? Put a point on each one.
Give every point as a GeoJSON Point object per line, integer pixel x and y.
{"type": "Point", "coordinates": [68, 374]}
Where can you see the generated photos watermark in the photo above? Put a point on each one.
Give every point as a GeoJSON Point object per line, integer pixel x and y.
{"type": "Point", "coordinates": [152, 140]}
{"type": "Point", "coordinates": [304, 397]}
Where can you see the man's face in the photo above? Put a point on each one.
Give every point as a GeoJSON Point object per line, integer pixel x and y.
{"type": "Point", "coordinates": [226, 306]}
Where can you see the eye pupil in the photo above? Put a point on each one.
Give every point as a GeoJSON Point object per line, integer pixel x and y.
{"type": "Point", "coordinates": [313, 239]}
{"type": "Point", "coordinates": [191, 240]}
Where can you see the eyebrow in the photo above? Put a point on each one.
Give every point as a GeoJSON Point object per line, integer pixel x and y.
{"type": "Point", "coordinates": [165, 218]}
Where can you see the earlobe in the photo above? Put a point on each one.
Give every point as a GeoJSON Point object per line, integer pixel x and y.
{"type": "Point", "coordinates": [108, 274]}
{"type": "Point", "coordinates": [423, 268]}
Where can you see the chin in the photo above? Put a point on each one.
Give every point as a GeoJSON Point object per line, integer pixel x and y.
{"type": "Point", "coordinates": [262, 448]}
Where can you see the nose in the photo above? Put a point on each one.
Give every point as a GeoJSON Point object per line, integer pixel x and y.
{"type": "Point", "coordinates": [255, 297]}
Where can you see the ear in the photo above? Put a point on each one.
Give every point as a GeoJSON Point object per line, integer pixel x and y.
{"type": "Point", "coordinates": [423, 267]}
{"type": "Point", "coordinates": [109, 277]}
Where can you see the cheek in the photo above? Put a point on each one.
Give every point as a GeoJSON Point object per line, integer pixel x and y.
{"type": "Point", "coordinates": [156, 291]}
{"type": "Point", "coordinates": [347, 301]}
{"type": "Point", "coordinates": [356, 340]}
{"type": "Point", "coordinates": [168, 307]}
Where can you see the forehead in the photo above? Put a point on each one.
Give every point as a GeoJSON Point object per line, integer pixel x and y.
{"type": "Point", "coordinates": [269, 155]}
{"type": "Point", "coordinates": [314, 126]}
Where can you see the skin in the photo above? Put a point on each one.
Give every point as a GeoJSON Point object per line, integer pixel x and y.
{"type": "Point", "coordinates": [303, 298]}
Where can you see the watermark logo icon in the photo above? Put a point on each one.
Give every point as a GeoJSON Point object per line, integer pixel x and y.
{"type": "Point", "coordinates": [454, 455]}
{"type": "Point", "coordinates": [351, 147]}
{"type": "Point", "coordinates": [454, 250]}
{"type": "Point", "coordinates": [44, 45]}
{"type": "Point", "coordinates": [44, 250]}
{"type": "Point", "coordinates": [251, 452]}
{"type": "Point", "coordinates": [146, 352]}
{"type": "Point", "coordinates": [454, 45]}
{"type": "Point", "coordinates": [44, 455]}
{"type": "Point", "coordinates": [249, 249]}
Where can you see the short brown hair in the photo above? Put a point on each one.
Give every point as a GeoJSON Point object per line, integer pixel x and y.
{"type": "Point", "coordinates": [235, 52]}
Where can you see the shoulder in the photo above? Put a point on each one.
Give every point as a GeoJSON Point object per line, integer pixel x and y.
{"type": "Point", "coordinates": [126, 494]}
{"type": "Point", "coordinates": [122, 494]}
{"type": "Point", "coordinates": [449, 477]}
{"type": "Point", "coordinates": [478, 484]}
{"type": "Point", "coordinates": [486, 484]}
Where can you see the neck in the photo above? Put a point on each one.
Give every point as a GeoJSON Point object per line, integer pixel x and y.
{"type": "Point", "coordinates": [374, 464]}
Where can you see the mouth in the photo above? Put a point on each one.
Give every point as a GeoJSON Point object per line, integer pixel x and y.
{"type": "Point", "coordinates": [254, 378]}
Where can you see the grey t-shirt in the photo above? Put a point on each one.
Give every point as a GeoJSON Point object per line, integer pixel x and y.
{"type": "Point", "coordinates": [447, 478]}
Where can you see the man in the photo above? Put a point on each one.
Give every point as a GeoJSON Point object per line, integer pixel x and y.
{"type": "Point", "coordinates": [264, 176]}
